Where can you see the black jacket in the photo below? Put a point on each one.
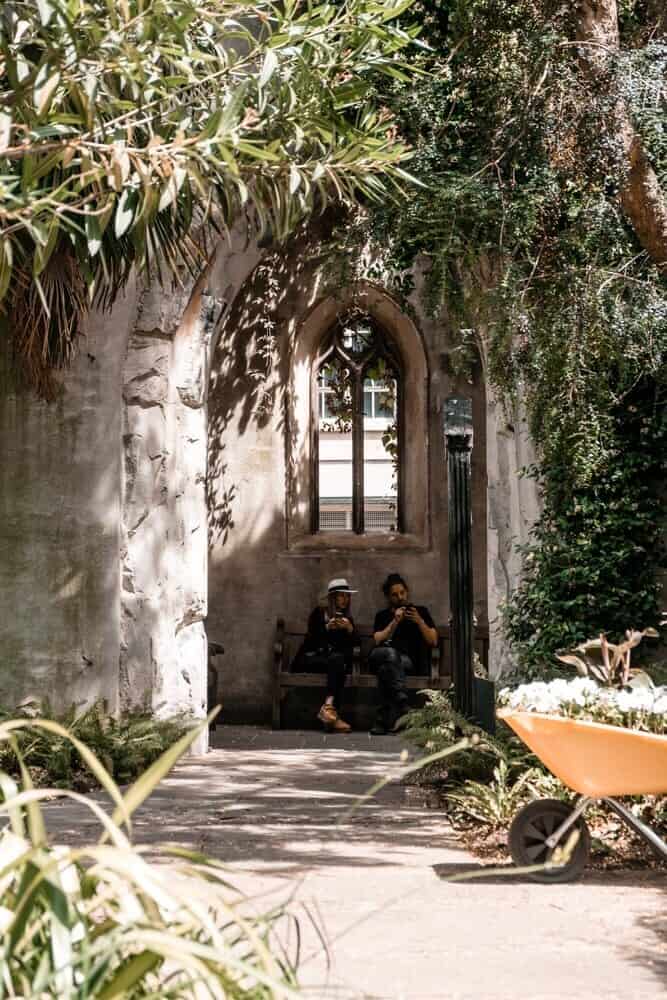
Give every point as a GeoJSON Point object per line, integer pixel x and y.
{"type": "Point", "coordinates": [319, 640]}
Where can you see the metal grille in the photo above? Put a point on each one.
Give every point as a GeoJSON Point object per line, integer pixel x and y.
{"type": "Point", "coordinates": [335, 520]}
{"type": "Point", "coordinates": [380, 520]}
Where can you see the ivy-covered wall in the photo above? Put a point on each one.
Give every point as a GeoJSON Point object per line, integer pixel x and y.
{"type": "Point", "coordinates": [539, 140]}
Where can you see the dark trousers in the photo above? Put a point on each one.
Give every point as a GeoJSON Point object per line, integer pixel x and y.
{"type": "Point", "coordinates": [333, 665]}
{"type": "Point", "coordinates": [391, 667]}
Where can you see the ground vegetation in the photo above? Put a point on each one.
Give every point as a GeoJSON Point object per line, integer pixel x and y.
{"type": "Point", "coordinates": [112, 920]}
{"type": "Point", "coordinates": [483, 787]}
{"type": "Point", "coordinates": [126, 746]}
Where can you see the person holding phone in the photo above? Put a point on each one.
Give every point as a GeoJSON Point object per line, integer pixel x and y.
{"type": "Point", "coordinates": [404, 633]}
{"type": "Point", "coordinates": [328, 648]}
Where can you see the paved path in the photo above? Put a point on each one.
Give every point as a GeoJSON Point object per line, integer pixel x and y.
{"type": "Point", "coordinates": [395, 928]}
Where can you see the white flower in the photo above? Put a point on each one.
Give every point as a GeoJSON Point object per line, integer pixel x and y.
{"type": "Point", "coordinates": [660, 704]}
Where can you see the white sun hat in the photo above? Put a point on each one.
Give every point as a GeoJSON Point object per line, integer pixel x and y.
{"type": "Point", "coordinates": [340, 586]}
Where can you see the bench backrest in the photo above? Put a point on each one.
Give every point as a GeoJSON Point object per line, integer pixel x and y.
{"type": "Point", "coordinates": [290, 635]}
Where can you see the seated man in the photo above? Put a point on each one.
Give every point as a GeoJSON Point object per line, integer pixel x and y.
{"type": "Point", "coordinates": [328, 648]}
{"type": "Point", "coordinates": [403, 634]}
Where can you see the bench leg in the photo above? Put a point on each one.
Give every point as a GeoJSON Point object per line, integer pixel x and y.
{"type": "Point", "coordinates": [275, 717]}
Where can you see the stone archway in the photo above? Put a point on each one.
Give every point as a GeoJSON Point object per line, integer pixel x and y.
{"type": "Point", "coordinates": [171, 414]}
{"type": "Point", "coordinates": [264, 562]}
{"type": "Point", "coordinates": [111, 559]}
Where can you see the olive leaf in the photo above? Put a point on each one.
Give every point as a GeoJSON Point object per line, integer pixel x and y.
{"type": "Point", "coordinates": [171, 122]}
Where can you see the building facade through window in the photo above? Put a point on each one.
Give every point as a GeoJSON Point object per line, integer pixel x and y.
{"type": "Point", "coordinates": [358, 431]}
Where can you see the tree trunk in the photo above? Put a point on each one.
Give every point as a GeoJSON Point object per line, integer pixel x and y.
{"type": "Point", "coordinates": [641, 196]}
{"type": "Point", "coordinates": [657, 18]}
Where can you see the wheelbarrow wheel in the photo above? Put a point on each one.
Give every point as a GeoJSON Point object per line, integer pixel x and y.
{"type": "Point", "coordinates": [532, 826]}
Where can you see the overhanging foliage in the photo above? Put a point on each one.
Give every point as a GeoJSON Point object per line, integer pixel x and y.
{"type": "Point", "coordinates": [124, 126]}
{"type": "Point", "coordinates": [531, 252]}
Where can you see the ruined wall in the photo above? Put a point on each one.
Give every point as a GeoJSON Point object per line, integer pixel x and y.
{"type": "Point", "coordinates": [262, 564]}
{"type": "Point", "coordinates": [103, 530]}
{"type": "Point", "coordinates": [164, 546]}
{"type": "Point", "coordinates": [60, 474]}
{"type": "Point", "coordinates": [109, 584]}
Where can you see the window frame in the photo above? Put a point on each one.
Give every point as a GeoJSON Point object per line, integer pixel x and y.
{"type": "Point", "coordinates": [331, 346]}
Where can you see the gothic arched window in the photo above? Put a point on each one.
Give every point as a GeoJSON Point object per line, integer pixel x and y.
{"type": "Point", "coordinates": [357, 431]}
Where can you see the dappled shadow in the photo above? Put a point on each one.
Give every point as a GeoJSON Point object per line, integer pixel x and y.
{"type": "Point", "coordinates": [271, 806]}
{"type": "Point", "coordinates": [636, 907]}
{"type": "Point", "coordinates": [282, 809]}
{"type": "Point", "coordinates": [492, 874]}
{"type": "Point", "coordinates": [250, 368]}
{"type": "Point", "coordinates": [652, 953]}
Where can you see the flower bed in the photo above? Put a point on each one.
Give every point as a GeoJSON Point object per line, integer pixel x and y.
{"type": "Point", "coordinates": [643, 708]}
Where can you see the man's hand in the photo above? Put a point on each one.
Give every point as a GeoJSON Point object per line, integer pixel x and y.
{"type": "Point", "coordinates": [429, 634]}
{"type": "Point", "coordinates": [399, 614]}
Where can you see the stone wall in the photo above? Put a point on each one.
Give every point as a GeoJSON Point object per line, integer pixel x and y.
{"type": "Point", "coordinates": [158, 499]}
{"type": "Point", "coordinates": [103, 582]}
{"type": "Point", "coordinates": [263, 563]}
{"type": "Point", "coordinates": [60, 475]}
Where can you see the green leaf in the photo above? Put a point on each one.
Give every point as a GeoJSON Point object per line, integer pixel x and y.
{"type": "Point", "coordinates": [43, 253]}
{"type": "Point", "coordinates": [143, 786]}
{"type": "Point", "coordinates": [84, 752]}
{"type": "Point", "coordinates": [93, 235]}
{"type": "Point", "coordinates": [172, 187]}
{"type": "Point", "coordinates": [294, 179]}
{"type": "Point", "coordinates": [350, 93]}
{"type": "Point", "coordinates": [36, 828]}
{"type": "Point", "coordinates": [125, 211]}
{"type": "Point", "coordinates": [257, 151]}
{"type": "Point", "coordinates": [574, 661]}
{"type": "Point", "coordinates": [8, 789]}
{"type": "Point", "coordinates": [130, 975]}
{"type": "Point", "coordinates": [269, 66]}
{"type": "Point", "coordinates": [6, 257]}
{"type": "Point", "coordinates": [44, 89]}
{"type": "Point", "coordinates": [5, 130]}
{"type": "Point", "coordinates": [46, 9]}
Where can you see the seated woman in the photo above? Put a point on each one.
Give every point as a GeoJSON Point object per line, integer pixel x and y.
{"type": "Point", "coordinates": [328, 649]}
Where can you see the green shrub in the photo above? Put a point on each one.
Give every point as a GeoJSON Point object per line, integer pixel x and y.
{"type": "Point", "coordinates": [494, 803]}
{"type": "Point", "coordinates": [487, 784]}
{"type": "Point", "coordinates": [126, 745]}
{"type": "Point", "coordinates": [436, 726]}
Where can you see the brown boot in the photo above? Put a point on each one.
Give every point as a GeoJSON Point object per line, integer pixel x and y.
{"type": "Point", "coordinates": [331, 721]}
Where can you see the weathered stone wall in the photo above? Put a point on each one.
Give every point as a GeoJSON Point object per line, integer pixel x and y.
{"type": "Point", "coordinates": [60, 475]}
{"type": "Point", "coordinates": [262, 564]}
{"type": "Point", "coordinates": [110, 580]}
{"type": "Point", "coordinates": [164, 546]}
{"type": "Point", "coordinates": [103, 534]}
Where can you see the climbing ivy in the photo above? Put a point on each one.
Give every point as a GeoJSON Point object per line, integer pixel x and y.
{"type": "Point", "coordinates": [526, 250]}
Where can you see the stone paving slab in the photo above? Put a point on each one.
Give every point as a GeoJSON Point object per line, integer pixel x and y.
{"type": "Point", "coordinates": [270, 804]}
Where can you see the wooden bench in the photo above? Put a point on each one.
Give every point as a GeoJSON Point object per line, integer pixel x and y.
{"type": "Point", "coordinates": [289, 638]}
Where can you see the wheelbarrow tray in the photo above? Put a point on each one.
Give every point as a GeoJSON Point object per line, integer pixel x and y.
{"type": "Point", "coordinates": [594, 759]}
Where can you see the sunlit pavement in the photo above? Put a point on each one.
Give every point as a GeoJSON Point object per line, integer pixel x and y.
{"type": "Point", "coordinates": [378, 917]}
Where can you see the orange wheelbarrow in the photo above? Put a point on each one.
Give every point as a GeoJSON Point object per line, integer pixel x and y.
{"type": "Point", "coordinates": [597, 761]}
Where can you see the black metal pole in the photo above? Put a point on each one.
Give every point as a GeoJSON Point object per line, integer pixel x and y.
{"type": "Point", "coordinates": [458, 443]}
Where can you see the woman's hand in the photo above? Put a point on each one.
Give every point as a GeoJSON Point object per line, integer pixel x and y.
{"type": "Point", "coordinates": [342, 623]}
